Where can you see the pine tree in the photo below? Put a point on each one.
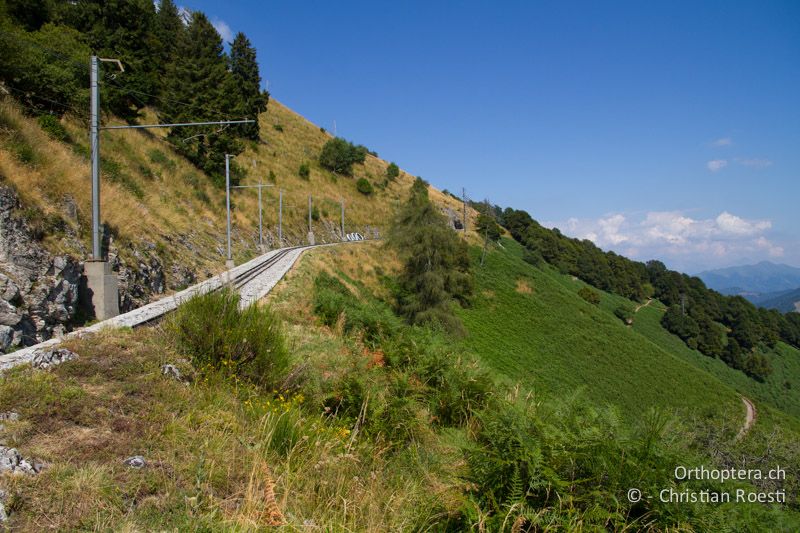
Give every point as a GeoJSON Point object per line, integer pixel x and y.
{"type": "Point", "coordinates": [246, 84]}
{"type": "Point", "coordinates": [121, 29]}
{"type": "Point", "coordinates": [196, 86]}
{"type": "Point", "coordinates": [168, 30]}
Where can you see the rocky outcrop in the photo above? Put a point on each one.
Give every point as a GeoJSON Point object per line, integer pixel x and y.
{"type": "Point", "coordinates": [12, 461]}
{"type": "Point", "coordinates": [139, 281]}
{"type": "Point", "coordinates": [455, 219]}
{"type": "Point", "coordinates": [45, 359]}
{"type": "Point", "coordinates": [38, 291]}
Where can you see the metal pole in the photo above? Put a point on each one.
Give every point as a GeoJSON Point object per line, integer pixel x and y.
{"type": "Point", "coordinates": [464, 198]}
{"type": "Point", "coordinates": [280, 218]}
{"type": "Point", "coordinates": [228, 200]}
{"type": "Point", "coordinates": [94, 140]}
{"type": "Point", "coordinates": [260, 234]}
{"type": "Point", "coordinates": [343, 219]}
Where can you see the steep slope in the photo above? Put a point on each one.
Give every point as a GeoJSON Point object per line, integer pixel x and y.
{"type": "Point", "coordinates": [531, 325]}
{"type": "Point", "coordinates": [164, 219]}
{"type": "Point", "coordinates": [220, 454]}
{"type": "Point", "coordinates": [780, 389]}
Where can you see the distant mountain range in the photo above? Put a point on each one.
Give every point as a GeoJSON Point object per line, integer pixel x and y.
{"type": "Point", "coordinates": [766, 284]}
{"type": "Point", "coordinates": [784, 301]}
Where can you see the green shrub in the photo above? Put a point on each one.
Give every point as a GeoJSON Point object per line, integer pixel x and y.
{"type": "Point", "coordinates": [114, 172]}
{"type": "Point", "coordinates": [339, 155]}
{"type": "Point", "coordinates": [304, 171]}
{"type": "Point", "coordinates": [364, 186]}
{"type": "Point", "coordinates": [457, 386]}
{"type": "Point", "coordinates": [15, 142]}
{"type": "Point", "coordinates": [41, 224]}
{"type": "Point", "coordinates": [589, 295]}
{"type": "Point", "coordinates": [624, 313]}
{"type": "Point", "coordinates": [201, 195]}
{"type": "Point", "coordinates": [314, 213]}
{"type": "Point", "coordinates": [160, 158]}
{"type": "Point", "coordinates": [392, 171]}
{"type": "Point", "coordinates": [532, 257]}
{"type": "Point", "coordinates": [278, 128]}
{"type": "Point", "coordinates": [539, 463]}
{"type": "Point", "coordinates": [271, 176]}
{"type": "Point", "coordinates": [146, 172]}
{"type": "Point", "coordinates": [218, 336]}
{"type": "Point", "coordinates": [487, 226]}
{"type": "Point", "coordinates": [53, 127]}
{"type": "Point", "coordinates": [372, 320]}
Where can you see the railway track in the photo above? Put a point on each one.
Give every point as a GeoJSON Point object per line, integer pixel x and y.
{"type": "Point", "coordinates": [245, 278]}
{"type": "Point", "coordinates": [250, 274]}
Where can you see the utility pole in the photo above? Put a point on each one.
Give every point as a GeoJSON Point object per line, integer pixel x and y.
{"type": "Point", "coordinates": [229, 259]}
{"type": "Point", "coordinates": [311, 240]}
{"type": "Point", "coordinates": [485, 235]}
{"type": "Point", "coordinates": [101, 281]}
{"type": "Point", "coordinates": [94, 141]}
{"type": "Point", "coordinates": [683, 304]}
{"type": "Point", "coordinates": [259, 187]}
{"type": "Point", "coordinates": [464, 199]}
{"type": "Point", "coordinates": [260, 232]}
{"type": "Point", "coordinates": [343, 219]}
{"type": "Point", "coordinates": [280, 218]}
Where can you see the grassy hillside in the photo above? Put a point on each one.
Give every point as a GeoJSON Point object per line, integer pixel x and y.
{"type": "Point", "coordinates": [154, 199]}
{"type": "Point", "coordinates": [780, 389]}
{"type": "Point", "coordinates": [531, 325]}
{"type": "Point", "coordinates": [224, 455]}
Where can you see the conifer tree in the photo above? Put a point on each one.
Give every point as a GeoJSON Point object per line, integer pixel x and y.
{"type": "Point", "coordinates": [246, 84]}
{"type": "Point", "coordinates": [167, 31]}
{"type": "Point", "coordinates": [196, 83]}
{"type": "Point", "coordinates": [122, 29]}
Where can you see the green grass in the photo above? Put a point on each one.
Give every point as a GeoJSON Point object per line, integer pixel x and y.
{"type": "Point", "coordinates": [553, 342]}
{"type": "Point", "coordinates": [780, 390]}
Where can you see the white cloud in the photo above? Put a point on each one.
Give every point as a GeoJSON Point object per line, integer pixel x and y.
{"type": "Point", "coordinates": [717, 164]}
{"type": "Point", "coordinates": [223, 29]}
{"type": "Point", "coordinates": [610, 229]}
{"type": "Point", "coordinates": [754, 163]}
{"type": "Point", "coordinates": [677, 237]}
{"type": "Point", "coordinates": [724, 141]}
{"type": "Point", "coordinates": [728, 223]}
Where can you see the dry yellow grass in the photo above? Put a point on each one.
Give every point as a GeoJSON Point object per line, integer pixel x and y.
{"type": "Point", "coordinates": [523, 287]}
{"type": "Point", "coordinates": [178, 211]}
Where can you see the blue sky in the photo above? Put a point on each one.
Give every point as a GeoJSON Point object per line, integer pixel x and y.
{"type": "Point", "coordinates": [657, 129]}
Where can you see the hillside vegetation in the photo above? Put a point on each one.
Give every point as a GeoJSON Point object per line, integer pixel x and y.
{"type": "Point", "coordinates": [377, 426]}
{"type": "Point", "coordinates": [532, 326]}
{"type": "Point", "coordinates": [162, 189]}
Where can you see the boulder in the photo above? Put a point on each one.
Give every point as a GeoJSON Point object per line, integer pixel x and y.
{"type": "Point", "coordinates": [136, 461]}
{"type": "Point", "coordinates": [12, 461]}
{"type": "Point", "coordinates": [171, 371]}
{"type": "Point", "coordinates": [44, 359]}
